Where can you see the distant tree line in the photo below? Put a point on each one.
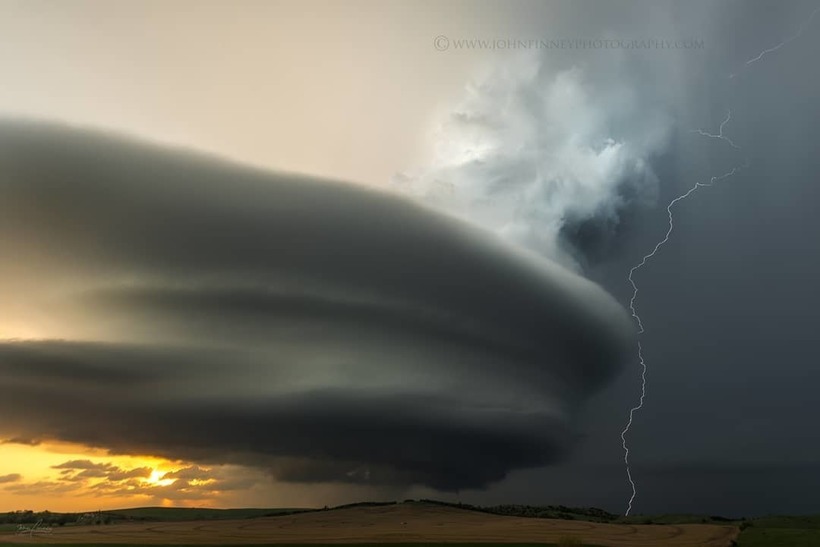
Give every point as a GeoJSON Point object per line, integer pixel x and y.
{"type": "Point", "coordinates": [47, 518]}
{"type": "Point", "coordinates": [592, 514]}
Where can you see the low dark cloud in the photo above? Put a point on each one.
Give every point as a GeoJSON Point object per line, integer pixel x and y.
{"type": "Point", "coordinates": [82, 464]}
{"type": "Point", "coordinates": [22, 440]}
{"type": "Point", "coordinates": [11, 477]}
{"type": "Point", "coordinates": [198, 310]}
{"type": "Point", "coordinates": [44, 488]}
{"type": "Point", "coordinates": [79, 470]}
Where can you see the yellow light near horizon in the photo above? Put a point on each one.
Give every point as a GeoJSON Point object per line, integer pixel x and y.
{"type": "Point", "coordinates": [37, 465]}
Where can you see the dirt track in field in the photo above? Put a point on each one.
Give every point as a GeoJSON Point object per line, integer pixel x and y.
{"type": "Point", "coordinates": [390, 524]}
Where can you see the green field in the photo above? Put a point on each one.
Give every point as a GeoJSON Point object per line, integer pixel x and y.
{"type": "Point", "coordinates": [779, 537]}
{"type": "Point", "coordinates": [782, 532]}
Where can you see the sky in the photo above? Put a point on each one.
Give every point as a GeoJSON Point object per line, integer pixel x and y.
{"type": "Point", "coordinates": [307, 253]}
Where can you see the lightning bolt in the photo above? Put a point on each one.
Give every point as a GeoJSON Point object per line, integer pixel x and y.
{"type": "Point", "coordinates": [671, 226]}
{"type": "Point", "coordinates": [791, 38]}
{"type": "Point", "coordinates": [720, 134]}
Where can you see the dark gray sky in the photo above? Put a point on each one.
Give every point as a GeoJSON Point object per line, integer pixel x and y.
{"type": "Point", "coordinates": [729, 303]}
{"type": "Point", "coordinates": [729, 306]}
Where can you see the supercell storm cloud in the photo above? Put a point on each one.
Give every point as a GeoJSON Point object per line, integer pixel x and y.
{"type": "Point", "coordinates": [540, 153]}
{"type": "Point", "coordinates": [173, 304]}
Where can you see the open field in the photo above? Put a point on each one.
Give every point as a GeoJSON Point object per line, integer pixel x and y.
{"type": "Point", "coordinates": [779, 537]}
{"type": "Point", "coordinates": [181, 514]}
{"type": "Point", "coordinates": [801, 531]}
{"type": "Point", "coordinates": [402, 523]}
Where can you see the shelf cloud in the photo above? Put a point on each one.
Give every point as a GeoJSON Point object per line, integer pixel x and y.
{"type": "Point", "coordinates": [164, 302]}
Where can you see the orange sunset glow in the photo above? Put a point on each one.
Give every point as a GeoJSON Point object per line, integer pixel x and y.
{"type": "Point", "coordinates": [60, 476]}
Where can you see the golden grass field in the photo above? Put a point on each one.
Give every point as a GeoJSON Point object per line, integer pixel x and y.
{"type": "Point", "coordinates": [403, 523]}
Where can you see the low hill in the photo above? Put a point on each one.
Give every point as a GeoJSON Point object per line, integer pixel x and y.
{"type": "Point", "coordinates": [168, 514]}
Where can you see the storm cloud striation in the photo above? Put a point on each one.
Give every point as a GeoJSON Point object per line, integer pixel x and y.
{"type": "Point", "coordinates": [163, 302]}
